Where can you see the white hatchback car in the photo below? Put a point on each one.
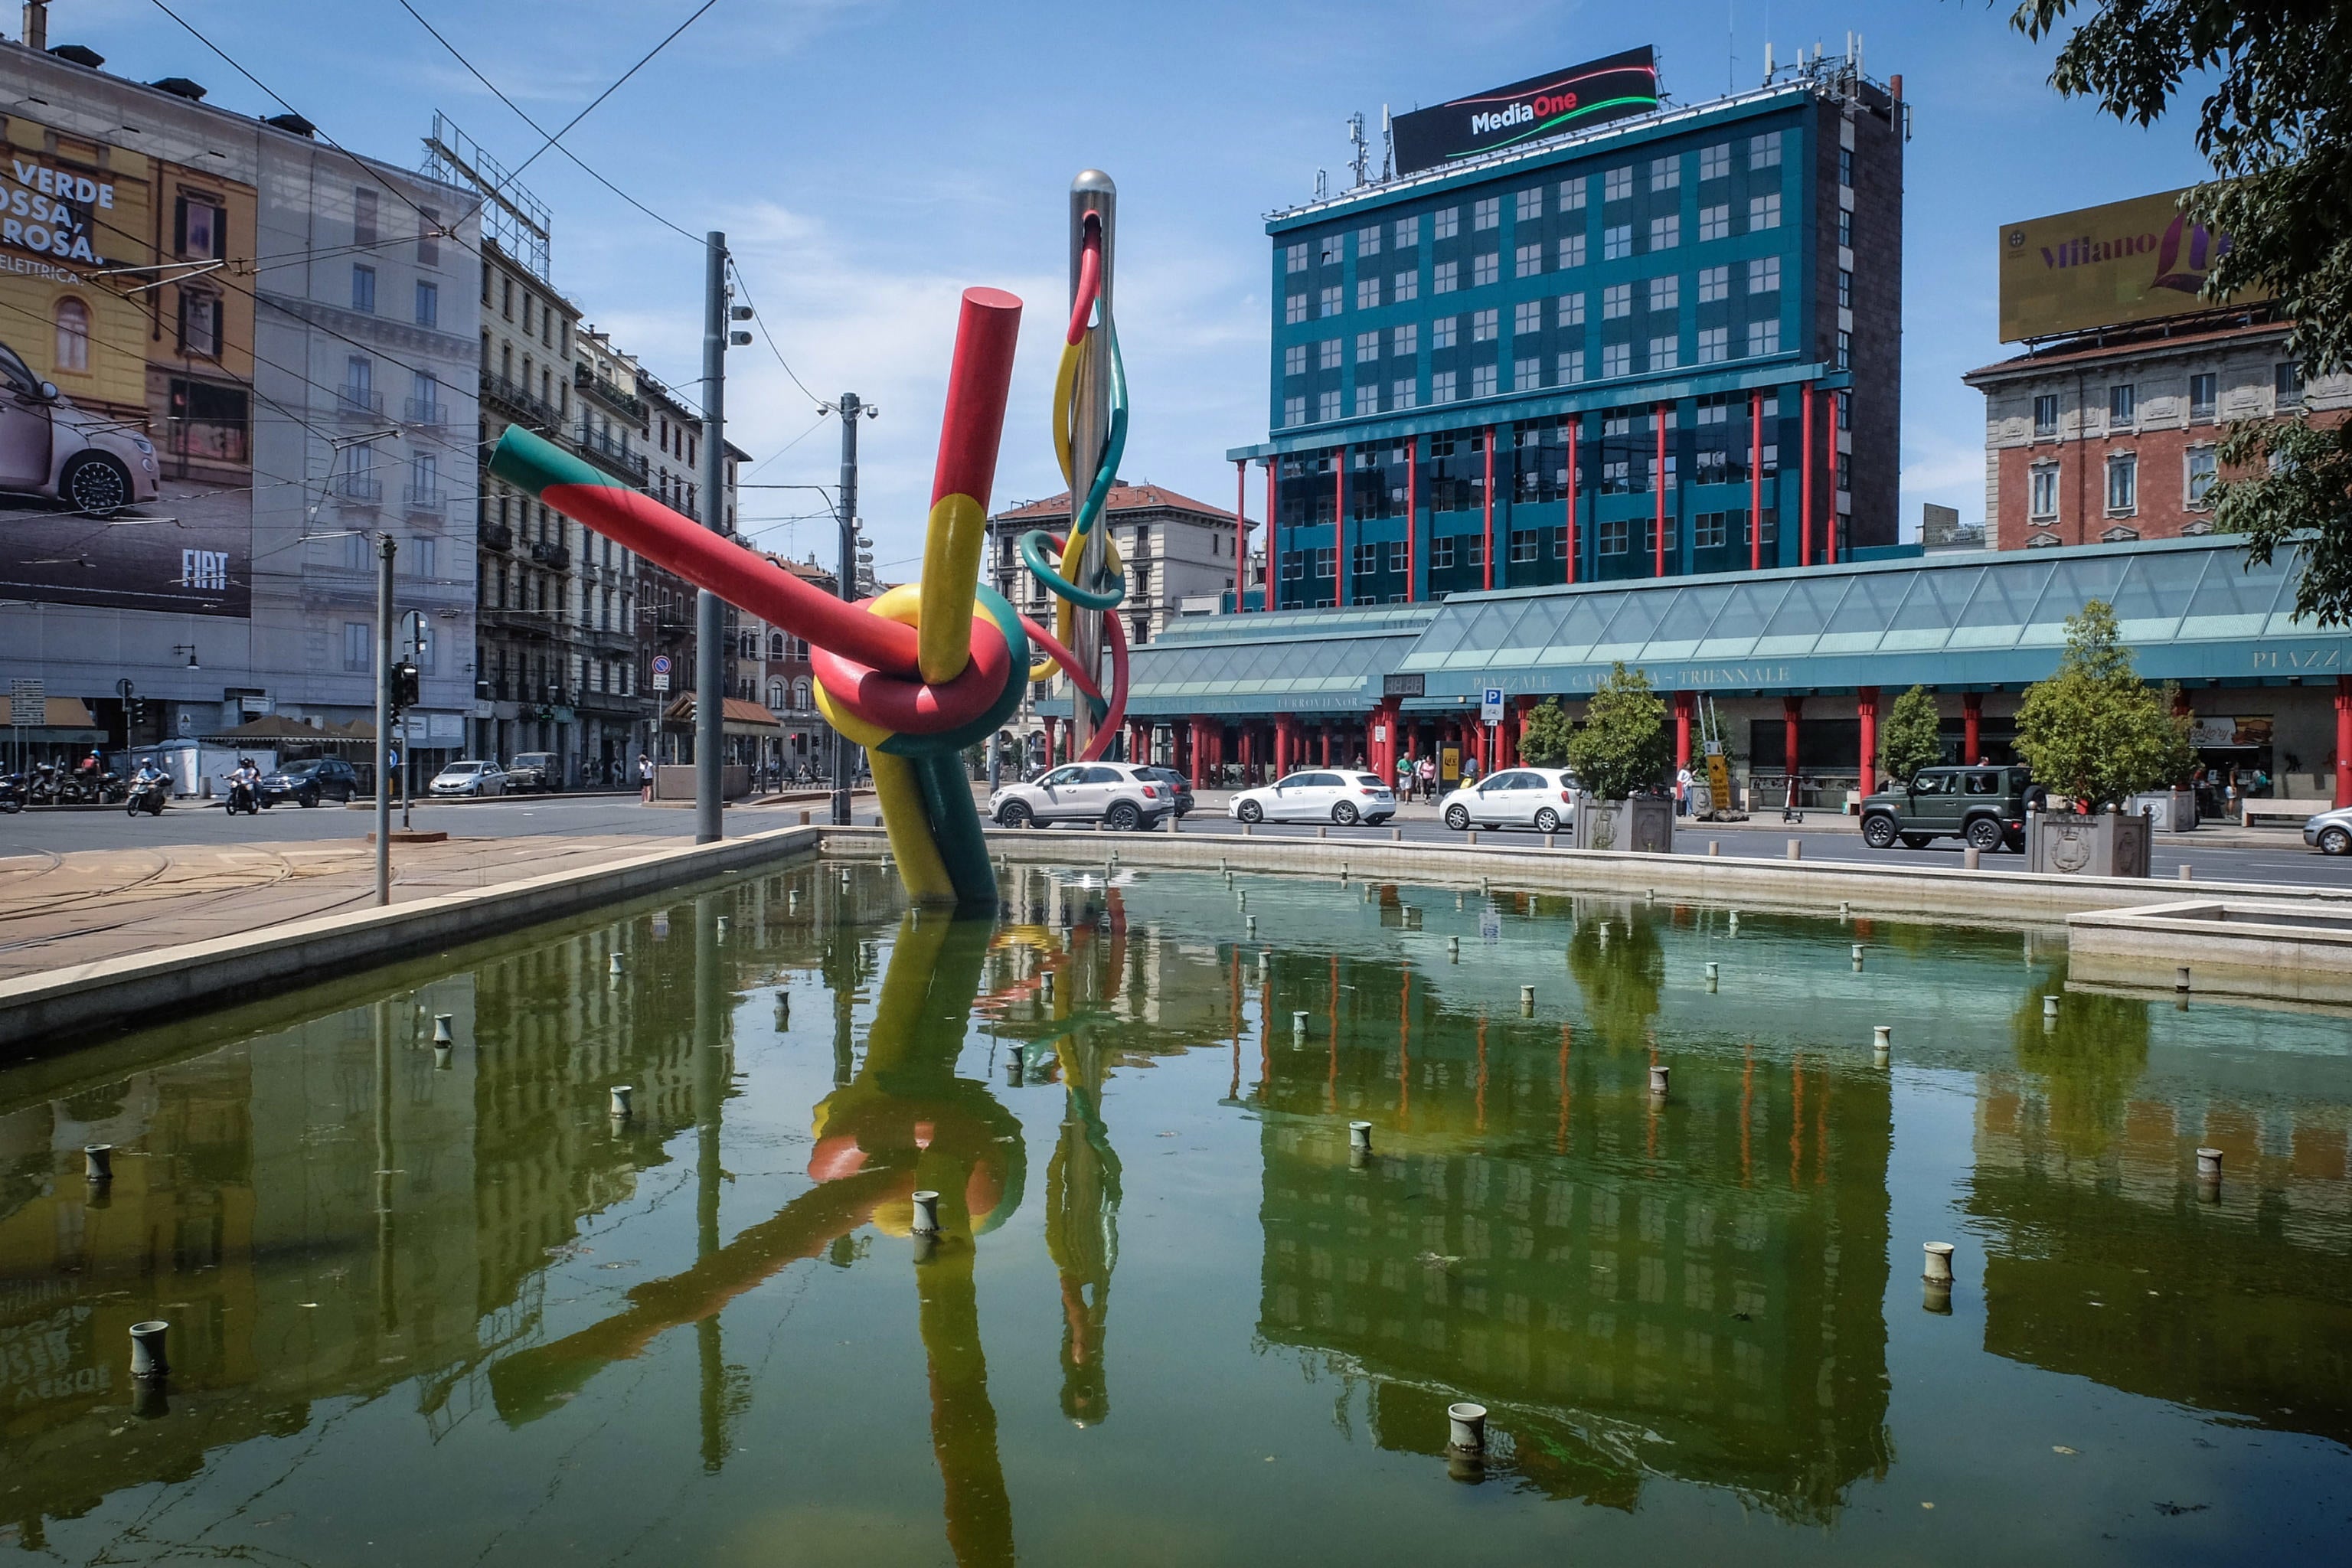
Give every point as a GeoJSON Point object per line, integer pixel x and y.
{"type": "Point", "coordinates": [1514, 797]}
{"type": "Point", "coordinates": [469, 778]}
{"type": "Point", "coordinates": [1317, 795]}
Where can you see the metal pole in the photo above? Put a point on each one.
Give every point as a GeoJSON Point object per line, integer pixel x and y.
{"type": "Point", "coordinates": [386, 548]}
{"type": "Point", "coordinates": [709, 613]}
{"type": "Point", "coordinates": [1094, 201]}
{"type": "Point", "coordinates": [850, 409]}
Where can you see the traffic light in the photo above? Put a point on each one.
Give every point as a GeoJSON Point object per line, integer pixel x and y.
{"type": "Point", "coordinates": [404, 685]}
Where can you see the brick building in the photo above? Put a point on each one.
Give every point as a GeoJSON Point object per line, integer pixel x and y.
{"type": "Point", "coordinates": [2112, 435]}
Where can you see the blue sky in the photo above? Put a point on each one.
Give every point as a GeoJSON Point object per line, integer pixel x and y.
{"type": "Point", "coordinates": [869, 158]}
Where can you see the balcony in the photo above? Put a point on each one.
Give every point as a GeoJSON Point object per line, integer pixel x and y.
{"type": "Point", "coordinates": [554, 557]}
{"type": "Point", "coordinates": [359, 489]}
{"type": "Point", "coordinates": [425, 501]}
{"type": "Point", "coordinates": [627, 402]}
{"type": "Point", "coordinates": [435, 414]}
{"type": "Point", "coordinates": [495, 536]}
{"type": "Point", "coordinates": [517, 402]}
{"type": "Point", "coordinates": [612, 452]}
{"type": "Point", "coordinates": [359, 403]}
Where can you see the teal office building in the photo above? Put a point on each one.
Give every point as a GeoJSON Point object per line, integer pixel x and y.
{"type": "Point", "coordinates": [1665, 344]}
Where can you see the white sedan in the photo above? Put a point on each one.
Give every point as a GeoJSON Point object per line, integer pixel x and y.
{"type": "Point", "coordinates": [1516, 797]}
{"type": "Point", "coordinates": [469, 778]}
{"type": "Point", "coordinates": [1318, 795]}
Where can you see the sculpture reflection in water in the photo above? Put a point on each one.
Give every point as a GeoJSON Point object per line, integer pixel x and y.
{"type": "Point", "coordinates": [904, 1122]}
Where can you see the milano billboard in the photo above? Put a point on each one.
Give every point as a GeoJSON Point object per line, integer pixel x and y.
{"type": "Point", "coordinates": [2106, 266]}
{"type": "Point", "coordinates": [1548, 105]}
{"type": "Point", "coordinates": [126, 372]}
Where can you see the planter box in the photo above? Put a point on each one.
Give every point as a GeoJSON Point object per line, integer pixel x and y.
{"type": "Point", "coordinates": [2171, 811]}
{"type": "Point", "coordinates": [2109, 845]}
{"type": "Point", "coordinates": [1645, 825]}
{"type": "Point", "coordinates": [674, 781]}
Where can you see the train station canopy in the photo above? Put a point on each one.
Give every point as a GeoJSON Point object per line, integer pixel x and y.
{"type": "Point", "coordinates": [2193, 610]}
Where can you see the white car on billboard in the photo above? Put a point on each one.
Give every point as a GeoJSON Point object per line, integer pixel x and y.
{"type": "Point", "coordinates": [49, 448]}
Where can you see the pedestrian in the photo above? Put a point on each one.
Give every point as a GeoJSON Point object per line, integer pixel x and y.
{"type": "Point", "coordinates": [1469, 769]}
{"type": "Point", "coordinates": [645, 779]}
{"type": "Point", "coordinates": [1404, 779]}
{"type": "Point", "coordinates": [1427, 769]}
{"type": "Point", "coordinates": [1682, 790]}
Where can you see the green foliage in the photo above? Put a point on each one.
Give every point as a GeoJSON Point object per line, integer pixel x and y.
{"type": "Point", "coordinates": [1623, 745]}
{"type": "Point", "coordinates": [1621, 967]}
{"type": "Point", "coordinates": [2089, 1060]}
{"type": "Point", "coordinates": [1910, 739]}
{"type": "Point", "coordinates": [2095, 729]}
{"type": "Point", "coordinates": [1544, 736]}
{"type": "Point", "coordinates": [2276, 126]}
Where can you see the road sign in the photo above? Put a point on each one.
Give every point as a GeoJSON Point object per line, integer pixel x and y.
{"type": "Point", "coordinates": [661, 666]}
{"type": "Point", "coordinates": [1490, 708]}
{"type": "Point", "coordinates": [392, 757]}
{"type": "Point", "coordinates": [661, 680]}
{"type": "Point", "coordinates": [28, 701]}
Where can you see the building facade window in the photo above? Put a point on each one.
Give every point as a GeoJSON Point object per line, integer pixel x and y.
{"type": "Point", "coordinates": [1294, 359]}
{"type": "Point", "coordinates": [1713, 344]}
{"type": "Point", "coordinates": [1714, 284]}
{"type": "Point", "coordinates": [1527, 317]}
{"type": "Point", "coordinates": [1484, 324]}
{"type": "Point", "coordinates": [1572, 195]}
{"type": "Point", "coordinates": [1764, 275]}
{"type": "Point", "coordinates": [1715, 163]}
{"type": "Point", "coordinates": [2286, 382]}
{"type": "Point", "coordinates": [1367, 240]}
{"type": "Point", "coordinates": [1527, 260]}
{"type": "Point", "coordinates": [2045, 414]}
{"type": "Point", "coordinates": [1528, 205]}
{"type": "Point", "coordinates": [1333, 300]}
{"type": "Point", "coordinates": [1617, 242]}
{"type": "Point", "coordinates": [1404, 287]}
{"type": "Point", "coordinates": [1571, 367]}
{"type": "Point", "coordinates": [1763, 211]}
{"type": "Point", "coordinates": [1440, 386]}
{"type": "Point", "coordinates": [1617, 186]}
{"type": "Point", "coordinates": [1407, 233]}
{"type": "Point", "coordinates": [1764, 152]}
{"type": "Point", "coordinates": [2203, 395]}
{"type": "Point", "coordinates": [1326, 405]}
{"type": "Point", "coordinates": [1571, 251]}
{"type": "Point", "coordinates": [1368, 293]}
{"type": "Point", "coordinates": [364, 289]}
{"type": "Point", "coordinates": [2200, 471]}
{"type": "Point", "coordinates": [1327, 354]}
{"type": "Point", "coordinates": [1444, 277]}
{"type": "Point", "coordinates": [1404, 341]}
{"type": "Point", "coordinates": [1486, 268]}
{"type": "Point", "coordinates": [2122, 483]}
{"type": "Point", "coordinates": [1445, 222]}
{"type": "Point", "coordinates": [1368, 398]}
{"type": "Point", "coordinates": [2122, 406]}
{"type": "Point", "coordinates": [1294, 258]}
{"type": "Point", "coordinates": [1442, 332]}
{"type": "Point", "coordinates": [1570, 311]}
{"type": "Point", "coordinates": [1665, 233]}
{"type": "Point", "coordinates": [1665, 174]}
{"type": "Point", "coordinates": [1482, 380]}
{"type": "Point", "coordinates": [428, 304]}
{"type": "Point", "coordinates": [1294, 309]}
{"type": "Point", "coordinates": [1763, 337]}
{"type": "Point", "coordinates": [1714, 222]}
{"type": "Point", "coordinates": [2042, 490]}
{"type": "Point", "coordinates": [1613, 534]}
{"type": "Point", "coordinates": [1616, 301]}
{"type": "Point", "coordinates": [1526, 375]}
{"type": "Point", "coordinates": [1665, 353]}
{"type": "Point", "coordinates": [1616, 359]}
{"type": "Point", "coordinates": [1294, 411]}
{"type": "Point", "coordinates": [358, 645]}
{"type": "Point", "coordinates": [72, 322]}
{"type": "Point", "coordinates": [1487, 213]}
{"type": "Point", "coordinates": [1665, 293]}
{"type": "Point", "coordinates": [1368, 347]}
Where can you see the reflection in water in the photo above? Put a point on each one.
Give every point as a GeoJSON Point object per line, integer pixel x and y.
{"type": "Point", "coordinates": [358, 1247]}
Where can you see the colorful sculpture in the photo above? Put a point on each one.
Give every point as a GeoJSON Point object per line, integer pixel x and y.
{"type": "Point", "coordinates": [921, 671]}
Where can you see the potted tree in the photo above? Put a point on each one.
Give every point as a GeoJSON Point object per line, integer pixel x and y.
{"type": "Point", "coordinates": [1620, 753]}
{"type": "Point", "coordinates": [2096, 734]}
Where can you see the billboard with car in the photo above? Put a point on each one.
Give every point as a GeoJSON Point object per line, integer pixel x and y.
{"type": "Point", "coordinates": [126, 372]}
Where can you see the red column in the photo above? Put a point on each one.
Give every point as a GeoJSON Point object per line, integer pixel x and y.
{"type": "Point", "coordinates": [1658, 483]}
{"type": "Point", "coordinates": [1241, 536]}
{"type": "Point", "coordinates": [1828, 416]}
{"type": "Point", "coordinates": [1684, 703]}
{"type": "Point", "coordinates": [1281, 745]}
{"type": "Point", "coordinates": [1575, 434]}
{"type": "Point", "coordinates": [1323, 735]}
{"type": "Point", "coordinates": [2344, 740]}
{"type": "Point", "coordinates": [1487, 496]}
{"type": "Point", "coordinates": [1971, 725]}
{"type": "Point", "coordinates": [1805, 484]}
{"type": "Point", "coordinates": [1242, 749]}
{"type": "Point", "coordinates": [1755, 480]}
{"type": "Point", "coordinates": [1270, 533]}
{"type": "Point", "coordinates": [1413, 519]}
{"type": "Point", "coordinates": [1340, 529]}
{"type": "Point", "coordinates": [1790, 707]}
{"type": "Point", "coordinates": [1866, 708]}
{"type": "Point", "coordinates": [1193, 750]}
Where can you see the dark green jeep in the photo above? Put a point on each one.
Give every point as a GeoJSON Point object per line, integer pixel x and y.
{"type": "Point", "coordinates": [1983, 806]}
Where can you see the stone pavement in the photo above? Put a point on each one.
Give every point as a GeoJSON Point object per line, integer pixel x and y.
{"type": "Point", "coordinates": [79, 907]}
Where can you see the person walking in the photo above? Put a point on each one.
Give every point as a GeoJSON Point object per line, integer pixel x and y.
{"type": "Point", "coordinates": [1682, 790]}
{"type": "Point", "coordinates": [645, 779]}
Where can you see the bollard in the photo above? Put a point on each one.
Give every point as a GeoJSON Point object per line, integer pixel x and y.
{"type": "Point", "coordinates": [1299, 1024]}
{"type": "Point", "coordinates": [1454, 950]}
{"type": "Point", "coordinates": [1343, 871]}
{"type": "Point", "coordinates": [1650, 897]}
{"type": "Point", "coordinates": [1713, 974]}
{"type": "Point", "coordinates": [1715, 848]}
{"type": "Point", "coordinates": [804, 820]}
{"type": "Point", "coordinates": [1323, 832]}
{"type": "Point", "coordinates": [1935, 1298]}
{"type": "Point", "coordinates": [1735, 922]}
{"type": "Point", "coordinates": [1396, 834]}
{"type": "Point", "coordinates": [1796, 848]}
{"type": "Point", "coordinates": [1551, 840]}
{"type": "Point", "coordinates": [2209, 1165]}
{"type": "Point", "coordinates": [1045, 984]}
{"type": "Point", "coordinates": [613, 966]}
{"type": "Point", "coordinates": [1359, 1136]}
{"type": "Point", "coordinates": [2049, 1007]}
{"type": "Point", "coordinates": [1465, 1427]}
{"type": "Point", "coordinates": [1241, 900]}
{"type": "Point", "coordinates": [1858, 952]}
{"type": "Point", "coordinates": [2180, 978]}
{"type": "Point", "coordinates": [441, 1039]}
{"type": "Point", "coordinates": [1846, 911]}
{"type": "Point", "coordinates": [1604, 936]}
{"type": "Point", "coordinates": [1474, 836]}
{"type": "Point", "coordinates": [1221, 866]}
{"type": "Point", "coordinates": [1882, 1043]}
{"type": "Point", "coordinates": [1016, 1067]}
{"type": "Point", "coordinates": [1939, 1263]}
{"type": "Point", "coordinates": [1658, 1080]}
{"type": "Point", "coordinates": [1250, 925]}
{"type": "Point", "coordinates": [783, 1009]}
{"type": "Point", "coordinates": [722, 928]}
{"type": "Point", "coordinates": [1971, 859]}
{"type": "Point", "coordinates": [1527, 1000]}
{"type": "Point", "coordinates": [2187, 872]}
{"type": "Point", "coordinates": [619, 1107]}
{"type": "Point", "coordinates": [1248, 831]}
{"type": "Point", "coordinates": [927, 1214]}
{"type": "Point", "coordinates": [98, 1162]}
{"type": "Point", "coordinates": [1458, 905]}
{"type": "Point", "coordinates": [442, 1057]}
{"type": "Point", "coordinates": [147, 1357]}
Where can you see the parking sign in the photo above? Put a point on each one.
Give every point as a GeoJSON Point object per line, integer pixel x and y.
{"type": "Point", "coordinates": [661, 664]}
{"type": "Point", "coordinates": [1490, 709]}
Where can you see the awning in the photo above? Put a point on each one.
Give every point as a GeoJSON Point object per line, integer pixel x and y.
{"type": "Point", "coordinates": [1288, 662]}
{"type": "Point", "coordinates": [276, 729]}
{"type": "Point", "coordinates": [736, 716]}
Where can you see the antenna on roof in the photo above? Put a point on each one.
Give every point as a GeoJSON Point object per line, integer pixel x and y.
{"type": "Point", "coordinates": [1362, 162]}
{"type": "Point", "coordinates": [1768, 63]}
{"type": "Point", "coordinates": [1322, 184]}
{"type": "Point", "coordinates": [1388, 143]}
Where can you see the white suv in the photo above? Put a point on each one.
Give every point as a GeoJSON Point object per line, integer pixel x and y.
{"type": "Point", "coordinates": [1113, 793]}
{"type": "Point", "coordinates": [1516, 797]}
{"type": "Point", "coordinates": [1317, 795]}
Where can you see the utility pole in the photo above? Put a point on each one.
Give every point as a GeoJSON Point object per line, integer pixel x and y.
{"type": "Point", "coordinates": [709, 613]}
{"type": "Point", "coordinates": [850, 409]}
{"type": "Point", "coordinates": [386, 548]}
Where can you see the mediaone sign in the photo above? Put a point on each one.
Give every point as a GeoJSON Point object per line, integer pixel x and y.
{"type": "Point", "coordinates": [1546, 105]}
{"type": "Point", "coordinates": [2126, 261]}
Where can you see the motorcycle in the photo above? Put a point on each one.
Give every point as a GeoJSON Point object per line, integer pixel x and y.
{"type": "Point", "coordinates": [148, 796]}
{"type": "Point", "coordinates": [242, 797]}
{"type": "Point", "coordinates": [12, 793]}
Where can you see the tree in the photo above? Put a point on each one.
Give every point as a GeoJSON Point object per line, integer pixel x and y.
{"type": "Point", "coordinates": [1912, 738]}
{"type": "Point", "coordinates": [2277, 128]}
{"type": "Point", "coordinates": [2095, 731]}
{"type": "Point", "coordinates": [1543, 738]}
{"type": "Point", "coordinates": [1623, 745]}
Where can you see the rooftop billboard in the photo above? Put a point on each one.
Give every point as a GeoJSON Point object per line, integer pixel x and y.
{"type": "Point", "coordinates": [2106, 266]}
{"type": "Point", "coordinates": [1546, 105]}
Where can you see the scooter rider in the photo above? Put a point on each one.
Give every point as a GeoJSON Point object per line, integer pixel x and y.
{"type": "Point", "coordinates": [149, 779]}
{"type": "Point", "coordinates": [242, 779]}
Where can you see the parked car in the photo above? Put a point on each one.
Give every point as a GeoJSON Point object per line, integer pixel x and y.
{"type": "Point", "coordinates": [1514, 798]}
{"type": "Point", "coordinates": [1984, 808]}
{"type": "Point", "coordinates": [542, 771]}
{"type": "Point", "coordinates": [469, 777]}
{"type": "Point", "coordinates": [1117, 794]}
{"type": "Point", "coordinates": [2330, 831]}
{"type": "Point", "coordinates": [85, 461]}
{"type": "Point", "coordinates": [310, 781]}
{"type": "Point", "coordinates": [1317, 795]}
{"type": "Point", "coordinates": [1178, 785]}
